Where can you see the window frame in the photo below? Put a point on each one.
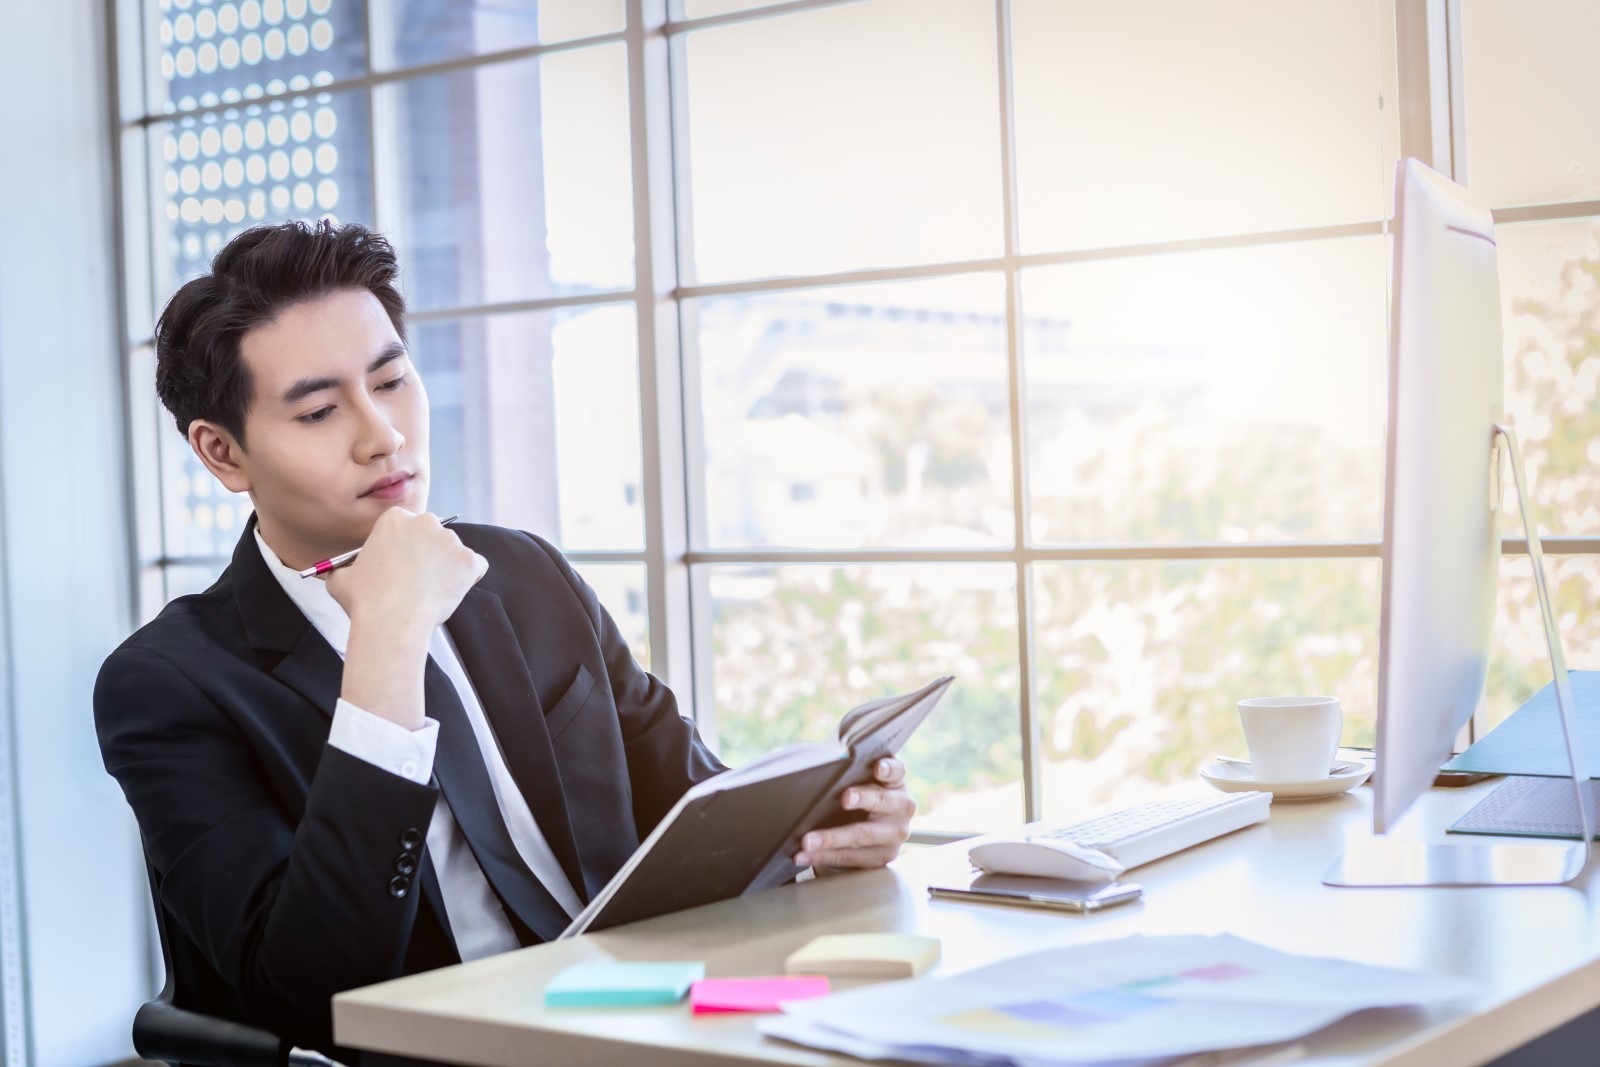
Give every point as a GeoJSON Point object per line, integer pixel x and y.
{"type": "Point", "coordinates": [675, 555]}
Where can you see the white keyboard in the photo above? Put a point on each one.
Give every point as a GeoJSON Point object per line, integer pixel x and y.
{"type": "Point", "coordinates": [1531, 807]}
{"type": "Point", "coordinates": [1147, 832]}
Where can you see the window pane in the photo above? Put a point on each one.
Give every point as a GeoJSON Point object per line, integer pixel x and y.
{"type": "Point", "coordinates": [535, 422]}
{"type": "Point", "coordinates": [621, 589]}
{"type": "Point", "coordinates": [905, 90]}
{"type": "Point", "coordinates": [408, 32]}
{"type": "Point", "coordinates": [694, 9]}
{"type": "Point", "coordinates": [1234, 396]}
{"type": "Point", "coordinates": [1519, 663]}
{"type": "Point", "coordinates": [204, 53]}
{"type": "Point", "coordinates": [511, 181]}
{"type": "Point", "coordinates": [1140, 665]}
{"type": "Point", "coordinates": [1155, 120]}
{"type": "Point", "coordinates": [183, 580]}
{"type": "Point", "coordinates": [852, 416]}
{"type": "Point", "coordinates": [219, 173]}
{"type": "Point", "coordinates": [1531, 100]}
{"type": "Point", "coordinates": [795, 647]}
{"type": "Point", "coordinates": [1550, 274]}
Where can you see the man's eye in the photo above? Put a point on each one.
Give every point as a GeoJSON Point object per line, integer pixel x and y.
{"type": "Point", "coordinates": [392, 384]}
{"type": "Point", "coordinates": [313, 417]}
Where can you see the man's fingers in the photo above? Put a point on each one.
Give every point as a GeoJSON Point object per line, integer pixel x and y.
{"type": "Point", "coordinates": [890, 772]}
{"type": "Point", "coordinates": [876, 800]}
{"type": "Point", "coordinates": [856, 835]}
{"type": "Point", "coordinates": [876, 856]}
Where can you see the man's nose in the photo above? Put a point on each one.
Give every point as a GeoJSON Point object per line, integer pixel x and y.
{"type": "Point", "coordinates": [379, 435]}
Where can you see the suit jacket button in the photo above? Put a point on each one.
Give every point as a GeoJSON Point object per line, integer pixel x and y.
{"type": "Point", "coordinates": [410, 838]}
{"type": "Point", "coordinates": [406, 863]}
{"type": "Point", "coordinates": [399, 886]}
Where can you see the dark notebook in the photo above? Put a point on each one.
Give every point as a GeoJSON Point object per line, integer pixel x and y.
{"type": "Point", "coordinates": [735, 833]}
{"type": "Point", "coordinates": [1530, 742]}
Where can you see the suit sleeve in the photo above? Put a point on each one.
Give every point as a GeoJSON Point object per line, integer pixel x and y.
{"type": "Point", "coordinates": [664, 751]}
{"type": "Point", "coordinates": [287, 914]}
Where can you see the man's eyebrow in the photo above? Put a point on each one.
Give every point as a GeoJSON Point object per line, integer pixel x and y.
{"type": "Point", "coordinates": [393, 351]}
{"type": "Point", "coordinates": [306, 386]}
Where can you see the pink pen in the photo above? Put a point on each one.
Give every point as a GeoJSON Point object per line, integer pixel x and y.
{"type": "Point", "coordinates": [345, 557]}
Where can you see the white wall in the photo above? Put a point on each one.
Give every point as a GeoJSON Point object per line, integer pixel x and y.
{"type": "Point", "coordinates": [75, 962]}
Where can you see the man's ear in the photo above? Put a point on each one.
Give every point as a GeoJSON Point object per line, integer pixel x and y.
{"type": "Point", "coordinates": [220, 453]}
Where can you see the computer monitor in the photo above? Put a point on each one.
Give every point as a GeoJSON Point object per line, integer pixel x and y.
{"type": "Point", "coordinates": [1441, 538]}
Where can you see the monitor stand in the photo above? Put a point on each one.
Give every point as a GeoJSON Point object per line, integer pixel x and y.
{"type": "Point", "coordinates": [1385, 862]}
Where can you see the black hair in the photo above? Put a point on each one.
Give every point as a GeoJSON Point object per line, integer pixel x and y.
{"type": "Point", "coordinates": [254, 277]}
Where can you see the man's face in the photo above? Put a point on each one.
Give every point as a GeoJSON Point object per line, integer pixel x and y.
{"type": "Point", "coordinates": [337, 428]}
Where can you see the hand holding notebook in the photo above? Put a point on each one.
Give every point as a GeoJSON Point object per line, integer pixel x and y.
{"type": "Point", "coordinates": [738, 832]}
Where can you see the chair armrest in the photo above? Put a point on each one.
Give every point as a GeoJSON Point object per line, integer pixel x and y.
{"type": "Point", "coordinates": [164, 1032]}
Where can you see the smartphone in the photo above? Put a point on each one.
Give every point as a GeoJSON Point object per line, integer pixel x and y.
{"type": "Point", "coordinates": [1050, 893]}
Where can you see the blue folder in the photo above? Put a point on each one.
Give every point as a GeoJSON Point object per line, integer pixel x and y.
{"type": "Point", "coordinates": [1530, 742]}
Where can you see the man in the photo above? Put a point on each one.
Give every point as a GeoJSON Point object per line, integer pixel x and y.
{"type": "Point", "coordinates": [438, 753]}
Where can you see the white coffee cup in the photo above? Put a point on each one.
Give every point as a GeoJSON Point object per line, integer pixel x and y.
{"type": "Point", "coordinates": [1291, 739]}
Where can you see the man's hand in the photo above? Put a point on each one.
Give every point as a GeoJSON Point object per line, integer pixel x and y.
{"type": "Point", "coordinates": [409, 578]}
{"type": "Point", "coordinates": [874, 841]}
{"type": "Point", "coordinates": [411, 574]}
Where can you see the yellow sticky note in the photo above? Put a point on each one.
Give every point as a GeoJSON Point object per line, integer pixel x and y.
{"type": "Point", "coordinates": [865, 956]}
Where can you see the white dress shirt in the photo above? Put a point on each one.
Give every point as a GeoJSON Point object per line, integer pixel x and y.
{"type": "Point", "coordinates": [479, 924]}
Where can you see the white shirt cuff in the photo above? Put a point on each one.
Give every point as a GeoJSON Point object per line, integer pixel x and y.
{"type": "Point", "coordinates": [408, 753]}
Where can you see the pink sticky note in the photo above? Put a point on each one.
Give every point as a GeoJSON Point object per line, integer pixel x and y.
{"type": "Point", "coordinates": [753, 994]}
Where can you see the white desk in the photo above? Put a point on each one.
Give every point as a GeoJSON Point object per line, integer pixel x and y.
{"type": "Point", "coordinates": [1535, 951]}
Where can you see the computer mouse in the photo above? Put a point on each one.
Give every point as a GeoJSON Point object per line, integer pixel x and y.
{"type": "Point", "coordinates": [1043, 857]}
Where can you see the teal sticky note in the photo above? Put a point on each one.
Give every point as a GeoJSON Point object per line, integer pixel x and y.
{"type": "Point", "coordinates": [616, 985]}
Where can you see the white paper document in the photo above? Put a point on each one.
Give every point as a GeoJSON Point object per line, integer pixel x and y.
{"type": "Point", "coordinates": [1136, 1000]}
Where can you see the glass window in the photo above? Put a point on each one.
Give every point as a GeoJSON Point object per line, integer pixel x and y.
{"type": "Point", "coordinates": [1531, 99]}
{"type": "Point", "coordinates": [1140, 665]}
{"type": "Point", "coordinates": [208, 53]}
{"type": "Point", "coordinates": [510, 181]}
{"type": "Point", "coordinates": [1550, 287]}
{"type": "Point", "coordinates": [1155, 120]}
{"type": "Point", "coordinates": [535, 422]}
{"type": "Point", "coordinates": [860, 415]}
{"type": "Point", "coordinates": [411, 32]}
{"type": "Point", "coordinates": [217, 173]}
{"type": "Point", "coordinates": [694, 9]}
{"type": "Point", "coordinates": [621, 589]}
{"type": "Point", "coordinates": [1229, 396]}
{"type": "Point", "coordinates": [904, 90]}
{"type": "Point", "coordinates": [183, 580]}
{"type": "Point", "coordinates": [1519, 663]}
{"type": "Point", "coordinates": [795, 647]}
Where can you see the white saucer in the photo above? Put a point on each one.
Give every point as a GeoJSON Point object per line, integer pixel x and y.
{"type": "Point", "coordinates": [1240, 778]}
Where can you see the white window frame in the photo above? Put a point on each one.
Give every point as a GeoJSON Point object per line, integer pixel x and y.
{"type": "Point", "coordinates": [675, 553]}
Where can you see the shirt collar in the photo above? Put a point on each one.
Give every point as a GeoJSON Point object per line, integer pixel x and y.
{"type": "Point", "coordinates": [311, 596]}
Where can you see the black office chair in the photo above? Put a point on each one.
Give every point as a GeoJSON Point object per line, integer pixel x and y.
{"type": "Point", "coordinates": [179, 1027]}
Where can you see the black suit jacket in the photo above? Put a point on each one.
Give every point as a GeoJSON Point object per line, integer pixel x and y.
{"type": "Point", "coordinates": [297, 870]}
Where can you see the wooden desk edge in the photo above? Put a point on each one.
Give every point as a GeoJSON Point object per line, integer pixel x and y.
{"type": "Point", "coordinates": [1481, 1037]}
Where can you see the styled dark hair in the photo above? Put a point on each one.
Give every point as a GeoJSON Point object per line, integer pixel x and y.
{"type": "Point", "coordinates": [254, 277]}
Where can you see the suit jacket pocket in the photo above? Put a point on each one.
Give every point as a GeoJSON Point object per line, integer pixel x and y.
{"type": "Point", "coordinates": [564, 711]}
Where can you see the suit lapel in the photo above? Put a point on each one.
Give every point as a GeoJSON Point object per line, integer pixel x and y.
{"type": "Point", "coordinates": [494, 660]}
{"type": "Point", "coordinates": [273, 623]}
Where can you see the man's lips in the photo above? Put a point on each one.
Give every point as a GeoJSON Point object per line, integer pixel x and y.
{"type": "Point", "coordinates": [391, 487]}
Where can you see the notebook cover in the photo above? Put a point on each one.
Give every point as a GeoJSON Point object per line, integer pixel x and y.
{"type": "Point", "coordinates": [826, 812]}
{"type": "Point", "coordinates": [1530, 742]}
{"type": "Point", "coordinates": [610, 985]}
{"type": "Point", "coordinates": [717, 846]}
